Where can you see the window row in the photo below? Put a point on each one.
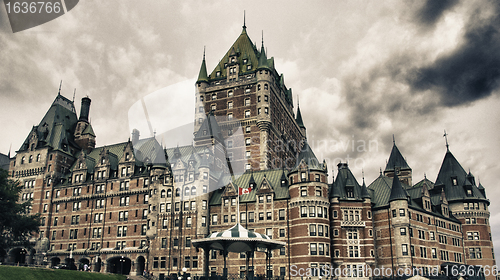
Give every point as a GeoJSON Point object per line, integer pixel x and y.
{"type": "Point", "coordinates": [320, 249]}
{"type": "Point", "coordinates": [314, 211]}
{"type": "Point", "coordinates": [318, 230]}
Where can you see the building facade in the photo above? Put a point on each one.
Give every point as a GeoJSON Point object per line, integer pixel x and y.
{"type": "Point", "coordinates": [135, 206]}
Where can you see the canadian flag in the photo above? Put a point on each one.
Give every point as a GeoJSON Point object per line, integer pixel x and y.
{"type": "Point", "coordinates": [244, 191]}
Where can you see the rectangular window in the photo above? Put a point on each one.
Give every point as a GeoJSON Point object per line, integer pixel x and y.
{"type": "Point", "coordinates": [313, 249]}
{"type": "Point", "coordinates": [404, 249]}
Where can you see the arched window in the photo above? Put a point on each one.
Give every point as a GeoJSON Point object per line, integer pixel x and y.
{"type": "Point", "coordinates": [31, 159]}
{"type": "Point", "coordinates": [162, 194]}
{"type": "Point", "coordinates": [186, 191]}
{"type": "Point", "coordinates": [22, 160]}
{"type": "Point", "coordinates": [193, 190]}
{"type": "Point", "coordinates": [169, 193]}
{"type": "Point", "coordinates": [177, 192]}
{"type": "Point", "coordinates": [38, 157]}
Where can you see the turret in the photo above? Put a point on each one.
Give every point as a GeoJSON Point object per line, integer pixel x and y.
{"type": "Point", "coordinates": [85, 109]}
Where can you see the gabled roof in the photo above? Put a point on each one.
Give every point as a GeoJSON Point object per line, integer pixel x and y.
{"type": "Point", "coordinates": [88, 130]}
{"type": "Point", "coordinates": [273, 178]}
{"type": "Point", "coordinates": [396, 159]}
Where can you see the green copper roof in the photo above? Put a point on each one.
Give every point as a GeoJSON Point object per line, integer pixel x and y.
{"type": "Point", "coordinates": [263, 62]}
{"type": "Point", "coordinates": [396, 159]}
{"type": "Point", "coordinates": [202, 76]}
{"type": "Point", "coordinates": [55, 128]}
{"type": "Point", "coordinates": [244, 49]}
{"type": "Point", "coordinates": [272, 176]}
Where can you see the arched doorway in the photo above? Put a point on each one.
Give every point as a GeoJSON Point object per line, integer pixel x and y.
{"type": "Point", "coordinates": [82, 262]}
{"type": "Point", "coordinates": [55, 261]}
{"type": "Point", "coordinates": [119, 265]}
{"type": "Point", "coordinates": [18, 255]}
{"type": "Point", "coordinates": [141, 264]}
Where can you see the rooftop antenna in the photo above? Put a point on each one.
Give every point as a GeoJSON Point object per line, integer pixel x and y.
{"type": "Point", "coordinates": [446, 139]}
{"type": "Point", "coordinates": [60, 84]}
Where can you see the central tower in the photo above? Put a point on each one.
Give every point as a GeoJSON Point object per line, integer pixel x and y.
{"type": "Point", "coordinates": [248, 96]}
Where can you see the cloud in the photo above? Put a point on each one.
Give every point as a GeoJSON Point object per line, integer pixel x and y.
{"type": "Point", "coordinates": [432, 11]}
{"type": "Point", "coordinates": [472, 70]}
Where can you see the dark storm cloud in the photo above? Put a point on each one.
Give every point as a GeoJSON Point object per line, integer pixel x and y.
{"type": "Point", "coordinates": [432, 11]}
{"type": "Point", "coordinates": [470, 72]}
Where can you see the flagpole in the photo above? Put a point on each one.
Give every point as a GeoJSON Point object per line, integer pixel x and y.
{"type": "Point", "coordinates": [238, 206]}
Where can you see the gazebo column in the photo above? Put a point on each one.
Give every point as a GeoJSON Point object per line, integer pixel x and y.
{"type": "Point", "coordinates": [206, 253]}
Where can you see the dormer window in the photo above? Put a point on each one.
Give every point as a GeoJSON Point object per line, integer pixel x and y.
{"type": "Point", "coordinates": [217, 74]}
{"type": "Point", "coordinates": [127, 156]}
{"type": "Point", "coordinates": [233, 59]}
{"type": "Point", "coordinates": [245, 61]}
{"type": "Point", "coordinates": [249, 67]}
{"type": "Point", "coordinates": [469, 192]}
{"type": "Point", "coordinates": [303, 176]}
{"type": "Point", "coordinates": [103, 160]}
{"type": "Point", "coordinates": [349, 191]}
{"type": "Point", "coordinates": [454, 181]}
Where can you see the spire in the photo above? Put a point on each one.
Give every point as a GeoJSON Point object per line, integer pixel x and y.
{"type": "Point", "coordinates": [299, 117]}
{"type": "Point", "coordinates": [202, 76]}
{"type": "Point", "coordinates": [397, 191]}
{"type": "Point", "coordinates": [244, 19]}
{"type": "Point", "coordinates": [10, 148]}
{"type": "Point", "coordinates": [74, 93]}
{"type": "Point", "coordinates": [263, 57]}
{"type": "Point", "coordinates": [396, 159]}
{"type": "Point", "coordinates": [393, 140]}
{"type": "Point", "coordinates": [446, 139]}
{"type": "Point", "coordinates": [60, 84]}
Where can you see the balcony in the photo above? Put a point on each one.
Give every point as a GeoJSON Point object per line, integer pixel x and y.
{"type": "Point", "coordinates": [352, 223]}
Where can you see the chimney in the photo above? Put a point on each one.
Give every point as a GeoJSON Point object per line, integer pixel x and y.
{"type": "Point", "coordinates": [84, 112]}
{"type": "Point", "coordinates": [135, 136]}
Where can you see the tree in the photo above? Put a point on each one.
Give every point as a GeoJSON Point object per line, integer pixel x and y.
{"type": "Point", "coordinates": [15, 223]}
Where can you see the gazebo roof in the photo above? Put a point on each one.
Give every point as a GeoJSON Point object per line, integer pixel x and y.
{"type": "Point", "coordinates": [238, 239]}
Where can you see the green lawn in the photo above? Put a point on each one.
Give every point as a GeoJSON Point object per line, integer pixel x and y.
{"type": "Point", "coordinates": [26, 273]}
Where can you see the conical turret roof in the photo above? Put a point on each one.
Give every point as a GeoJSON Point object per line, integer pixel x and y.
{"type": "Point", "coordinates": [397, 191]}
{"type": "Point", "coordinates": [396, 159]}
{"type": "Point", "coordinates": [202, 76]}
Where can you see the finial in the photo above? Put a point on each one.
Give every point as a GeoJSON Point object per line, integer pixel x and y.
{"type": "Point", "coordinates": [380, 171]}
{"type": "Point", "coordinates": [393, 140]}
{"type": "Point", "coordinates": [204, 52]}
{"type": "Point", "coordinates": [425, 176]}
{"type": "Point", "coordinates": [363, 174]}
{"type": "Point", "coordinates": [244, 19]}
{"type": "Point", "coordinates": [262, 38]}
{"type": "Point", "coordinates": [74, 93]}
{"type": "Point", "coordinates": [60, 84]}
{"type": "Point", "coordinates": [154, 133]}
{"type": "Point", "coordinates": [446, 139]}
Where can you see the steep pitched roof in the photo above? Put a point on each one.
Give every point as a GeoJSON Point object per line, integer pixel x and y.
{"type": "Point", "coordinates": [453, 178]}
{"type": "Point", "coordinates": [209, 128]}
{"type": "Point", "coordinates": [345, 179]}
{"type": "Point", "coordinates": [245, 49]}
{"type": "Point", "coordinates": [396, 159]}
{"type": "Point", "coordinates": [202, 76]}
{"type": "Point", "coordinates": [56, 128]}
{"type": "Point", "coordinates": [298, 119]}
{"type": "Point", "coordinates": [397, 191]}
{"type": "Point", "coordinates": [307, 155]}
{"type": "Point", "coordinates": [273, 178]}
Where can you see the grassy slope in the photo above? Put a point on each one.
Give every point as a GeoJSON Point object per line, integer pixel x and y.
{"type": "Point", "coordinates": [25, 273]}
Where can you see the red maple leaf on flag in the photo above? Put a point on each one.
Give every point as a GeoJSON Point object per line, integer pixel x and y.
{"type": "Point", "coordinates": [244, 191]}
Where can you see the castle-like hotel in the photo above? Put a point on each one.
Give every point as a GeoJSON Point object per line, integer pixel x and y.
{"type": "Point", "coordinates": [135, 206]}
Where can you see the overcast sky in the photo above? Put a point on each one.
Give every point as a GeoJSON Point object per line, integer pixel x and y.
{"type": "Point", "coordinates": [362, 70]}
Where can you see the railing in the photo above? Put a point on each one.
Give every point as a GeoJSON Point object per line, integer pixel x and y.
{"type": "Point", "coordinates": [352, 224]}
